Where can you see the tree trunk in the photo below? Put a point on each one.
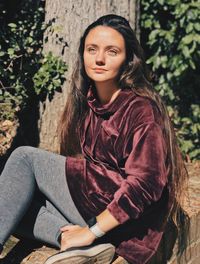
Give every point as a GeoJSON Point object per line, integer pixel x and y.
{"type": "Point", "coordinates": [68, 20]}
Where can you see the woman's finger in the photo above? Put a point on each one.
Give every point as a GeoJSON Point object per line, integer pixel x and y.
{"type": "Point", "coordinates": [68, 227]}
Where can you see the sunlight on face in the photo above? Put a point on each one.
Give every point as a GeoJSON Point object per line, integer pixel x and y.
{"type": "Point", "coordinates": [104, 54]}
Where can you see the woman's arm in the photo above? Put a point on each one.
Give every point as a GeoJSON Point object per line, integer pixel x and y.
{"type": "Point", "coordinates": [106, 221]}
{"type": "Point", "coordinates": [77, 236]}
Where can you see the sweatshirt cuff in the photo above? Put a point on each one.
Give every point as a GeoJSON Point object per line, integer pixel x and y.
{"type": "Point", "coordinates": [74, 166]}
{"type": "Point", "coordinates": [118, 212]}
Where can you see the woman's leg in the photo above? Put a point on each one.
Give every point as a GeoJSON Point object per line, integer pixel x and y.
{"type": "Point", "coordinates": [29, 168]}
{"type": "Point", "coordinates": [41, 223]}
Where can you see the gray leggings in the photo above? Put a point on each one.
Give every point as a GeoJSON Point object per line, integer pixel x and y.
{"type": "Point", "coordinates": [34, 196]}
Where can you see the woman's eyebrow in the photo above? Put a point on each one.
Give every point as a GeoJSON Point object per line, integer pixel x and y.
{"type": "Point", "coordinates": [109, 46]}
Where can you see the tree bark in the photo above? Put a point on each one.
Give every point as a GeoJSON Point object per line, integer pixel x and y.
{"type": "Point", "coordinates": [68, 20]}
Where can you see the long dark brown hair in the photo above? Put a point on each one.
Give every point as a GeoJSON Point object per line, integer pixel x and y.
{"type": "Point", "coordinates": [133, 75]}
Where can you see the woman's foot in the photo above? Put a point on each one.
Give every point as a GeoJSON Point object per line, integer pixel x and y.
{"type": "Point", "coordinates": [99, 254]}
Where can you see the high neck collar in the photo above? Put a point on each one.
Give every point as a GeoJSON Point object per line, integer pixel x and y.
{"type": "Point", "coordinates": [108, 108]}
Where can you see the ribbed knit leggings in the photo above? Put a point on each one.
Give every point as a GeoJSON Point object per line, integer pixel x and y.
{"type": "Point", "coordinates": [34, 196]}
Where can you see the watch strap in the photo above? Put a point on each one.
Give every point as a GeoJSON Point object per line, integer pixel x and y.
{"type": "Point", "coordinates": [94, 227]}
{"type": "Point", "coordinates": [97, 231]}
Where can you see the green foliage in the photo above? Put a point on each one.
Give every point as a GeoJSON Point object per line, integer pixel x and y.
{"type": "Point", "coordinates": [23, 67]}
{"type": "Point", "coordinates": [50, 76]}
{"type": "Point", "coordinates": [20, 49]}
{"type": "Point", "coordinates": [7, 112]}
{"type": "Point", "coordinates": [170, 34]}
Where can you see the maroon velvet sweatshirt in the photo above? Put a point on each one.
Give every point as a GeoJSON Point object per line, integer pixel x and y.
{"type": "Point", "coordinates": [124, 169]}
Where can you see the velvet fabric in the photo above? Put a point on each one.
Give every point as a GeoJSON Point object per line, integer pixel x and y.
{"type": "Point", "coordinates": [124, 169]}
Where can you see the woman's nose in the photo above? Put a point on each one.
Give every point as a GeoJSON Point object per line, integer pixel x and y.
{"type": "Point", "coordinates": [100, 58]}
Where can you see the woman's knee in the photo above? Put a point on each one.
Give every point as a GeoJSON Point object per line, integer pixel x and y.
{"type": "Point", "coordinates": [22, 154]}
{"type": "Point", "coordinates": [19, 165]}
{"type": "Point", "coordinates": [22, 151]}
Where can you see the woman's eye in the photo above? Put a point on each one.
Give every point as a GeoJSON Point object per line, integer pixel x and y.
{"type": "Point", "coordinates": [91, 50]}
{"type": "Point", "coordinates": [112, 52]}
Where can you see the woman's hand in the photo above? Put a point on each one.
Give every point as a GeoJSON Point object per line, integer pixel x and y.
{"type": "Point", "coordinates": [76, 236]}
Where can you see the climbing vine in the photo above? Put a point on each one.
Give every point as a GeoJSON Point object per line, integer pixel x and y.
{"type": "Point", "coordinates": [170, 33]}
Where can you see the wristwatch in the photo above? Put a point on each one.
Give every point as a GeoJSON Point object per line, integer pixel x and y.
{"type": "Point", "coordinates": [94, 227]}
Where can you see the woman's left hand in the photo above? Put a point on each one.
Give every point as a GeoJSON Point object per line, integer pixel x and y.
{"type": "Point", "coordinates": [76, 236]}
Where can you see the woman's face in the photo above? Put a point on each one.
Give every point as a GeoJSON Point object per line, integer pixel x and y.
{"type": "Point", "coordinates": [104, 54]}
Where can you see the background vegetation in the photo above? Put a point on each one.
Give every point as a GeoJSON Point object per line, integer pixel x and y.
{"type": "Point", "coordinates": [27, 75]}
{"type": "Point", "coordinates": [169, 34]}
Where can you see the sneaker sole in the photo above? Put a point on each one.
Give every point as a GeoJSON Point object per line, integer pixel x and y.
{"type": "Point", "coordinates": [99, 254]}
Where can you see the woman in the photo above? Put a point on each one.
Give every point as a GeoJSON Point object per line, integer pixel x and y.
{"type": "Point", "coordinates": [124, 173]}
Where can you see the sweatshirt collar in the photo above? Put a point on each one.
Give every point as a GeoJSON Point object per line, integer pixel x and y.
{"type": "Point", "coordinates": [109, 108]}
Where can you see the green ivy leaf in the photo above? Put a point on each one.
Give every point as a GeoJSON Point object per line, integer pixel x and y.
{"type": "Point", "coordinates": [12, 25]}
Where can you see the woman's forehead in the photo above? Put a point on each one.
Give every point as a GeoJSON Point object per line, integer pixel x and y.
{"type": "Point", "coordinates": [104, 35]}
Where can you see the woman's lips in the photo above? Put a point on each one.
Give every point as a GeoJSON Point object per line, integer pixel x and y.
{"type": "Point", "coordinates": [99, 70]}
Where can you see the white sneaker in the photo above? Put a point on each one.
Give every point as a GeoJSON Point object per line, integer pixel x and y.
{"type": "Point", "coordinates": [99, 254]}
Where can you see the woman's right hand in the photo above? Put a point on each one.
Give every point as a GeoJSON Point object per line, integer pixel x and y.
{"type": "Point", "coordinates": [76, 236]}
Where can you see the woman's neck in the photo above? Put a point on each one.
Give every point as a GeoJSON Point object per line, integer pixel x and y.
{"type": "Point", "coordinates": [106, 92]}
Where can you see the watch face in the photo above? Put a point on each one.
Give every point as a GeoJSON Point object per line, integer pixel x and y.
{"type": "Point", "coordinates": [92, 221]}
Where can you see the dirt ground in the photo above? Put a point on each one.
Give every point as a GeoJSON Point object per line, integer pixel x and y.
{"type": "Point", "coordinates": [25, 251]}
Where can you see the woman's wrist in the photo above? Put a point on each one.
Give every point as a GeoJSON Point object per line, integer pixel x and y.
{"type": "Point", "coordinates": [101, 224]}
{"type": "Point", "coordinates": [91, 234]}
{"type": "Point", "coordinates": [94, 228]}
{"type": "Point", "coordinates": [107, 221]}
